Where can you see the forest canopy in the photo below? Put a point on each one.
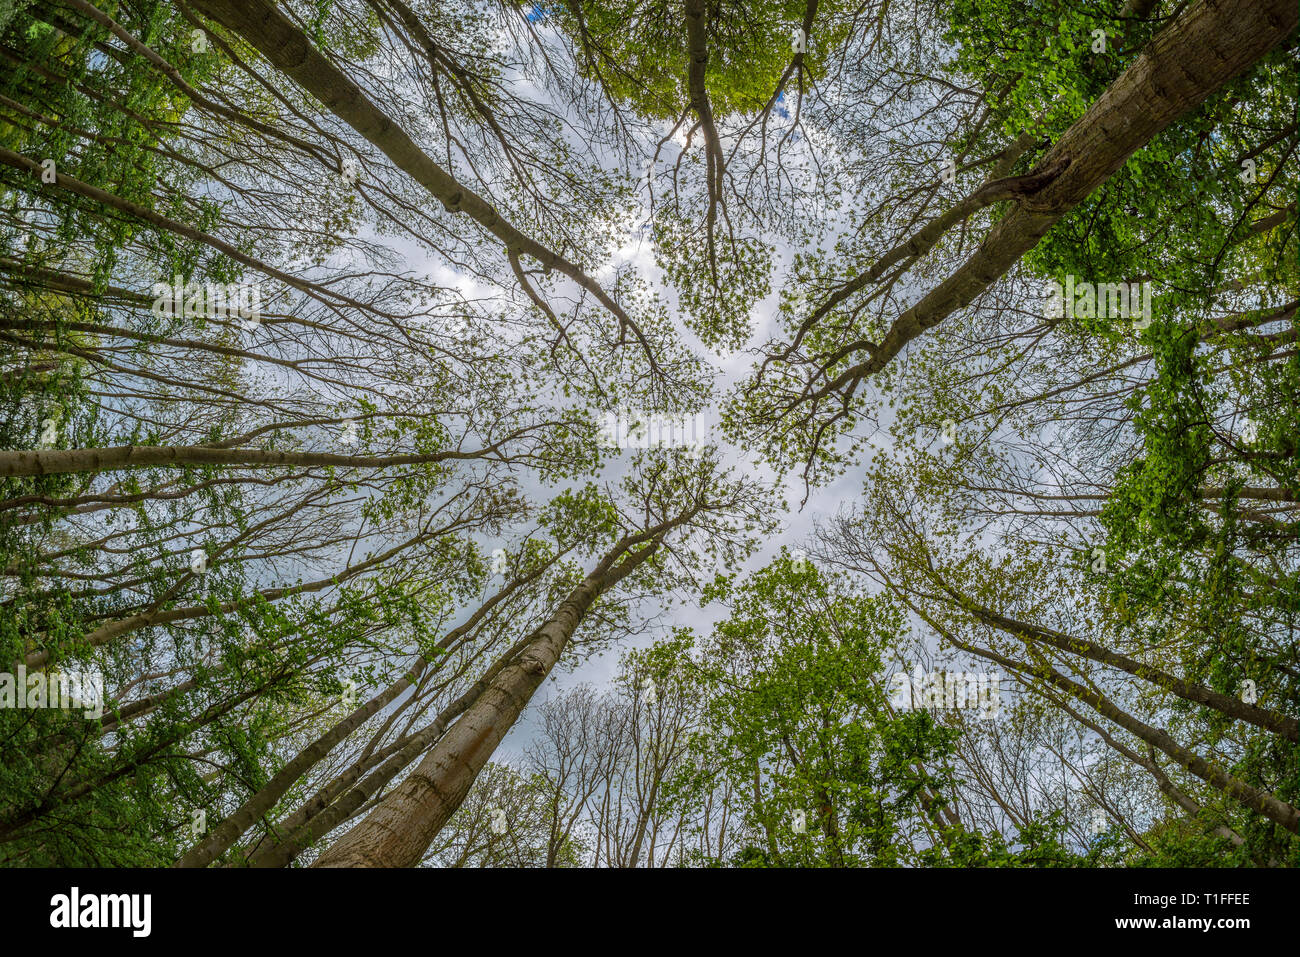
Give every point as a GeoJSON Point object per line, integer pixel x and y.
{"type": "Point", "coordinates": [649, 433]}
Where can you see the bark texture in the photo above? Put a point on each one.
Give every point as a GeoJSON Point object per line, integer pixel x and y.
{"type": "Point", "coordinates": [398, 832]}
{"type": "Point", "coordinates": [1201, 50]}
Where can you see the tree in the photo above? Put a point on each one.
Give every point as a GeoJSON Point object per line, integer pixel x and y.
{"type": "Point", "coordinates": [313, 319]}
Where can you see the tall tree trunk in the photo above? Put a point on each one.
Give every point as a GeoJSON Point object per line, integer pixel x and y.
{"type": "Point", "coordinates": [222, 837]}
{"type": "Point", "coordinates": [63, 461]}
{"type": "Point", "coordinates": [277, 38]}
{"type": "Point", "coordinates": [1182, 65]}
{"type": "Point", "coordinates": [399, 831]}
{"type": "Point", "coordinates": [1212, 773]}
{"type": "Point", "coordinates": [1233, 707]}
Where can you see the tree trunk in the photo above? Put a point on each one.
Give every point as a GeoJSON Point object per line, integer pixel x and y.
{"type": "Point", "coordinates": [288, 50]}
{"type": "Point", "coordinates": [1182, 65]}
{"type": "Point", "coordinates": [399, 831]}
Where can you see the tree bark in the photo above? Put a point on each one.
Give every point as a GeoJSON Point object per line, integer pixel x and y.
{"type": "Point", "coordinates": [289, 51]}
{"type": "Point", "coordinates": [224, 835]}
{"type": "Point", "coordinates": [398, 832]}
{"type": "Point", "coordinates": [1182, 65]}
{"type": "Point", "coordinates": [64, 461]}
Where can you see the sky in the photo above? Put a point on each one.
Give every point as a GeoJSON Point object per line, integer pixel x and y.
{"type": "Point", "coordinates": [730, 367]}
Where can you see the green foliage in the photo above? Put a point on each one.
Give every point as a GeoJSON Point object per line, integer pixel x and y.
{"type": "Point", "coordinates": [635, 50]}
